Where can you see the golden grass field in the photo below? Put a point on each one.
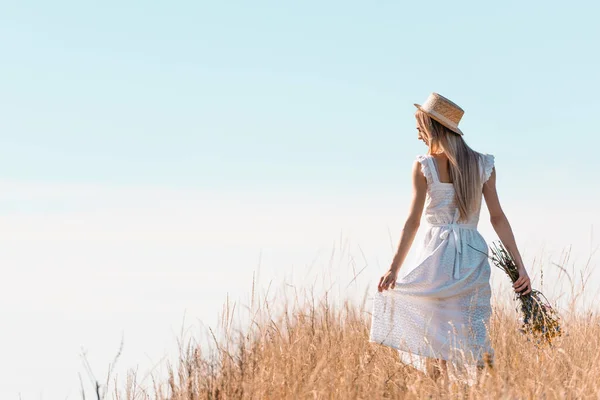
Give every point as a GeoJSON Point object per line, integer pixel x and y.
{"type": "Point", "coordinates": [309, 348]}
{"type": "Point", "coordinates": [300, 345]}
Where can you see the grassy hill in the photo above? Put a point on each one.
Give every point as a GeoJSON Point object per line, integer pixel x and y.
{"type": "Point", "coordinates": [310, 348]}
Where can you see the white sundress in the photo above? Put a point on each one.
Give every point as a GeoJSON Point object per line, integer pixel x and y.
{"type": "Point", "coordinates": [441, 308]}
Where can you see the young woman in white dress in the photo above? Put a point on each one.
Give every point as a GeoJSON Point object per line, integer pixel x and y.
{"type": "Point", "coordinates": [437, 315]}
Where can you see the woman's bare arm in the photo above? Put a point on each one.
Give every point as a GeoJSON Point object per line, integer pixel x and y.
{"type": "Point", "coordinates": [410, 229]}
{"type": "Point", "coordinates": [504, 231]}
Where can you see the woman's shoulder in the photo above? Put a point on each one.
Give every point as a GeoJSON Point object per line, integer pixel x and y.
{"type": "Point", "coordinates": [485, 156]}
{"type": "Point", "coordinates": [487, 165]}
{"type": "Point", "coordinates": [488, 158]}
{"type": "Point", "coordinates": [424, 159]}
{"type": "Point", "coordinates": [421, 160]}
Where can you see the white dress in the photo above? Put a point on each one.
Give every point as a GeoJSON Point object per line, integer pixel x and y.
{"type": "Point", "coordinates": [441, 308]}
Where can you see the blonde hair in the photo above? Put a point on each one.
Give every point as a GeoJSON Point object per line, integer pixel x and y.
{"type": "Point", "coordinates": [464, 163]}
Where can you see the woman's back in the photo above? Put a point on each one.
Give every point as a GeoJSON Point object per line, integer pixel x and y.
{"type": "Point", "coordinates": [441, 205]}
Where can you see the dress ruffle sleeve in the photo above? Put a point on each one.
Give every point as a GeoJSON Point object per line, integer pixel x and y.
{"type": "Point", "coordinates": [488, 166]}
{"type": "Point", "coordinates": [425, 168]}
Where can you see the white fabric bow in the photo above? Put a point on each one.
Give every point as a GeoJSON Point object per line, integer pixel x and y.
{"type": "Point", "coordinates": [455, 229]}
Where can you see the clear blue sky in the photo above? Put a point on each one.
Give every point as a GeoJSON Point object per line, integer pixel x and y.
{"type": "Point", "coordinates": [273, 94]}
{"type": "Point", "coordinates": [152, 154]}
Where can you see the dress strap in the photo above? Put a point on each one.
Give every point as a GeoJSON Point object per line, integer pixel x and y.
{"type": "Point", "coordinates": [433, 168]}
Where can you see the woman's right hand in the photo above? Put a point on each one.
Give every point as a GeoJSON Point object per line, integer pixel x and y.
{"type": "Point", "coordinates": [522, 285]}
{"type": "Point", "coordinates": [388, 280]}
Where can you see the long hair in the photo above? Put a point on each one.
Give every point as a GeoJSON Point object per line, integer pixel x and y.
{"type": "Point", "coordinates": [464, 163]}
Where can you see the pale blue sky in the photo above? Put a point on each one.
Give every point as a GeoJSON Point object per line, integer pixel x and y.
{"type": "Point", "coordinates": [271, 94]}
{"type": "Point", "coordinates": [152, 155]}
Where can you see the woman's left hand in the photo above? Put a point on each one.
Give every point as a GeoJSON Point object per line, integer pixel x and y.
{"type": "Point", "coordinates": [388, 280]}
{"type": "Point", "coordinates": [522, 285]}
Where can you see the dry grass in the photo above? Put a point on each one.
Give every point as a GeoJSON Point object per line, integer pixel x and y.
{"type": "Point", "coordinates": [307, 347]}
{"type": "Point", "coordinates": [313, 350]}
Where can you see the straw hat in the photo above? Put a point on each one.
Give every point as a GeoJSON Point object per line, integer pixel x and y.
{"type": "Point", "coordinates": [443, 111]}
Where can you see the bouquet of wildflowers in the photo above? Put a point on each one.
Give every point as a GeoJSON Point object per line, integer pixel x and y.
{"type": "Point", "coordinates": [540, 320]}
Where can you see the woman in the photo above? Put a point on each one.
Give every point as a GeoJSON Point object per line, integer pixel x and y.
{"type": "Point", "coordinates": [437, 315]}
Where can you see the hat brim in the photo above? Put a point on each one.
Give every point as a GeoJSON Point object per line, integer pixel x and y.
{"type": "Point", "coordinates": [453, 127]}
